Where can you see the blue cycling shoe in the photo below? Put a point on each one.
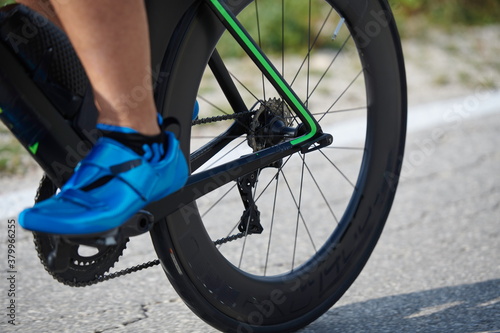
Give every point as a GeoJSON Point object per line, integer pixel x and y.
{"type": "Point", "coordinates": [196, 110]}
{"type": "Point", "coordinates": [108, 187]}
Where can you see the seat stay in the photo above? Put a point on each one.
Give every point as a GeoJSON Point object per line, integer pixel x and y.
{"type": "Point", "coordinates": [239, 33]}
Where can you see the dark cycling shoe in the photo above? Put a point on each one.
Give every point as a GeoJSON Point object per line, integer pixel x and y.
{"type": "Point", "coordinates": [108, 187]}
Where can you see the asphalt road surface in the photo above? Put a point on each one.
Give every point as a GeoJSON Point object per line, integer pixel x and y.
{"type": "Point", "coordinates": [435, 269]}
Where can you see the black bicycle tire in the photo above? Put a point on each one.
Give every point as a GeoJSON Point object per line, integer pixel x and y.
{"type": "Point", "coordinates": [179, 241]}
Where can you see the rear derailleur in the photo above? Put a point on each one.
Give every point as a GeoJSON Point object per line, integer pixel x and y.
{"type": "Point", "coordinates": [250, 220]}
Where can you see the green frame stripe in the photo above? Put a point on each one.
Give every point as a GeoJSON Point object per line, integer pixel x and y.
{"type": "Point", "coordinates": [243, 35]}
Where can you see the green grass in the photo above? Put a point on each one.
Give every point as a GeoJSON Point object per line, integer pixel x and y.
{"type": "Point", "coordinates": [14, 159]}
{"type": "Point", "coordinates": [6, 2]}
{"type": "Point", "coordinates": [270, 14]}
{"type": "Point", "coordinates": [448, 13]}
{"type": "Point", "coordinates": [10, 160]}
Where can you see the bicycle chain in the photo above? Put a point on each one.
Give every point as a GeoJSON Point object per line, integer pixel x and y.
{"type": "Point", "coordinates": [223, 117]}
{"type": "Point", "coordinates": [156, 262]}
{"type": "Point", "coordinates": [115, 275]}
{"type": "Point", "coordinates": [229, 238]}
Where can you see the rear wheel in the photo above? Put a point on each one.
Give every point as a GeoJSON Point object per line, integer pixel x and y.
{"type": "Point", "coordinates": [278, 248]}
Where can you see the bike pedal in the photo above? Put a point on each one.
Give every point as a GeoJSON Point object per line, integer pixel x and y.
{"type": "Point", "coordinates": [138, 224]}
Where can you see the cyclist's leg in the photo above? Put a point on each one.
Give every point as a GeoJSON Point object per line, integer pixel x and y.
{"type": "Point", "coordinates": [135, 163]}
{"type": "Point", "coordinates": [112, 42]}
{"type": "Point", "coordinates": [108, 39]}
{"type": "Point", "coordinates": [43, 7]}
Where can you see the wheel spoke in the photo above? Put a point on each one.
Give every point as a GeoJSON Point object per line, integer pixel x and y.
{"type": "Point", "coordinates": [310, 48]}
{"type": "Point", "coordinates": [225, 154]}
{"type": "Point", "coordinates": [345, 148]}
{"type": "Point", "coordinates": [272, 223]}
{"type": "Point", "coordinates": [244, 242]}
{"type": "Point", "coordinates": [322, 194]}
{"type": "Point", "coordinates": [308, 76]}
{"type": "Point", "coordinates": [223, 77]}
{"type": "Point", "coordinates": [219, 200]}
{"type": "Point", "coordinates": [299, 215]}
{"type": "Point", "coordinates": [337, 168]}
{"type": "Point", "coordinates": [244, 86]}
{"type": "Point", "coordinates": [283, 38]}
{"type": "Point", "coordinates": [340, 96]}
{"type": "Point", "coordinates": [218, 108]}
{"type": "Point", "coordinates": [340, 111]}
{"type": "Point", "coordinates": [272, 179]}
{"type": "Point", "coordinates": [259, 41]}
{"type": "Point", "coordinates": [328, 68]}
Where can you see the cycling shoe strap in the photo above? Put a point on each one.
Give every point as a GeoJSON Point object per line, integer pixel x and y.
{"type": "Point", "coordinates": [81, 198]}
{"type": "Point", "coordinates": [111, 158]}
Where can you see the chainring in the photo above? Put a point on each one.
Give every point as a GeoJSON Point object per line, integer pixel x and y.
{"type": "Point", "coordinates": [87, 263]}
